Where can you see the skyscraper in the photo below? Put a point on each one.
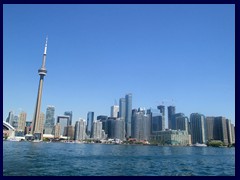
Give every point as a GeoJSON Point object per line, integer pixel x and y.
{"type": "Point", "coordinates": [219, 128]}
{"type": "Point", "coordinates": [42, 72]}
{"type": "Point", "coordinates": [102, 117]}
{"type": "Point", "coordinates": [141, 125]}
{"type": "Point", "coordinates": [209, 127]}
{"type": "Point", "coordinates": [229, 131]}
{"type": "Point", "coordinates": [15, 121]}
{"type": "Point", "coordinates": [233, 133]}
{"type": "Point", "coordinates": [122, 108]}
{"type": "Point", "coordinates": [22, 121]}
{"type": "Point", "coordinates": [171, 111]}
{"type": "Point", "coordinates": [90, 118]}
{"type": "Point", "coordinates": [179, 122]}
{"type": "Point", "coordinates": [162, 111]}
{"type": "Point", "coordinates": [182, 122]}
{"type": "Point", "coordinates": [57, 130]}
{"type": "Point", "coordinates": [69, 132]}
{"type": "Point", "coordinates": [115, 128]}
{"type": "Point", "coordinates": [198, 128]}
{"type": "Point", "coordinates": [80, 129]}
{"type": "Point", "coordinates": [128, 118]}
{"type": "Point", "coordinates": [10, 118]}
{"type": "Point", "coordinates": [50, 120]}
{"type": "Point", "coordinates": [97, 130]}
{"type": "Point", "coordinates": [114, 111]}
{"type": "Point", "coordinates": [157, 123]}
{"type": "Point", "coordinates": [69, 113]}
{"type": "Point", "coordinates": [63, 122]}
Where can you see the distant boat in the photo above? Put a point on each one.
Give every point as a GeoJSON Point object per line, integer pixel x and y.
{"type": "Point", "coordinates": [36, 140]}
{"type": "Point", "coordinates": [14, 140]}
{"type": "Point", "coordinates": [199, 145]}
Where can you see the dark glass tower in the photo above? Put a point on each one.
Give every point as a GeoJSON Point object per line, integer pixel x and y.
{"type": "Point", "coordinates": [162, 111]}
{"type": "Point", "coordinates": [122, 108]}
{"type": "Point", "coordinates": [90, 118]}
{"type": "Point", "coordinates": [50, 120]}
{"type": "Point", "coordinates": [69, 113]}
{"type": "Point", "coordinates": [171, 112]}
{"type": "Point", "coordinates": [198, 128]}
{"type": "Point", "coordinates": [128, 116]}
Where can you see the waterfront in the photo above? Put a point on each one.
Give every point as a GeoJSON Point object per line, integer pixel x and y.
{"type": "Point", "coordinates": [66, 159]}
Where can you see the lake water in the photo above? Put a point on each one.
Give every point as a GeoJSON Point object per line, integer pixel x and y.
{"type": "Point", "coordinates": [65, 159]}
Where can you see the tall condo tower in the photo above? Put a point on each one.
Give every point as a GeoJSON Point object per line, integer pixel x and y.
{"type": "Point", "coordinates": [128, 118]}
{"type": "Point", "coordinates": [171, 112]}
{"type": "Point", "coordinates": [37, 133]}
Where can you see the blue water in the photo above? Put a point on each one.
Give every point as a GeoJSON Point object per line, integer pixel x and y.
{"type": "Point", "coordinates": [64, 159]}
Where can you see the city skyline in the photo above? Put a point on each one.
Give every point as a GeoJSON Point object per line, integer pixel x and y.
{"type": "Point", "coordinates": [122, 49]}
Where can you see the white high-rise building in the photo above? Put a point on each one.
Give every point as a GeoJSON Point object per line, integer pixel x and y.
{"type": "Point", "coordinates": [114, 111]}
{"type": "Point", "coordinates": [97, 130]}
{"type": "Point", "coordinates": [80, 129]}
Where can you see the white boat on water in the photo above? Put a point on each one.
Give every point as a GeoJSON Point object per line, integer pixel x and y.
{"type": "Point", "coordinates": [36, 140]}
{"type": "Point", "coordinates": [199, 145]}
{"type": "Point", "coordinates": [14, 140]}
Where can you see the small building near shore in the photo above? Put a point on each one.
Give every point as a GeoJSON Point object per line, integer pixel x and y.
{"type": "Point", "coordinates": [171, 137]}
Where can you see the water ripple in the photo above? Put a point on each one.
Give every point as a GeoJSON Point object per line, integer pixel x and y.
{"type": "Point", "coordinates": [59, 159]}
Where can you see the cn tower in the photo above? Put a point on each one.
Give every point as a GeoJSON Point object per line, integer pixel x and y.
{"type": "Point", "coordinates": [36, 130]}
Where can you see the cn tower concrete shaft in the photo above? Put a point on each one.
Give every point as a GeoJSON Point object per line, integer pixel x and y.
{"type": "Point", "coordinates": [36, 124]}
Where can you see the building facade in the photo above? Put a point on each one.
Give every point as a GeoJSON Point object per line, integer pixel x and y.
{"type": "Point", "coordinates": [141, 125]}
{"type": "Point", "coordinates": [115, 128]}
{"type": "Point", "coordinates": [198, 128]}
{"type": "Point", "coordinates": [97, 130]}
{"type": "Point", "coordinates": [128, 116]}
{"type": "Point", "coordinates": [114, 111]}
{"type": "Point", "coordinates": [171, 137]}
{"type": "Point", "coordinates": [57, 131]}
{"type": "Point", "coordinates": [229, 131]}
{"type": "Point", "coordinates": [219, 128]}
{"type": "Point", "coordinates": [22, 121]}
{"type": "Point", "coordinates": [181, 122]}
{"type": "Point", "coordinates": [69, 132]}
{"type": "Point", "coordinates": [63, 121]}
{"type": "Point", "coordinates": [90, 119]}
{"type": "Point", "coordinates": [233, 133]}
{"type": "Point", "coordinates": [122, 108]}
{"type": "Point", "coordinates": [210, 128]}
{"type": "Point", "coordinates": [80, 130]}
{"type": "Point", "coordinates": [158, 123]}
{"type": "Point", "coordinates": [50, 120]}
{"type": "Point", "coordinates": [10, 118]}
{"type": "Point", "coordinates": [70, 114]}
{"type": "Point", "coordinates": [171, 111]}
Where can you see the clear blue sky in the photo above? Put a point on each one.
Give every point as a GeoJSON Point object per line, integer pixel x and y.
{"type": "Point", "coordinates": [98, 53]}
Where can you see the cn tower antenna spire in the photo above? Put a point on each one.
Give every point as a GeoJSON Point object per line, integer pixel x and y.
{"type": "Point", "coordinates": [44, 54]}
{"type": "Point", "coordinates": [45, 49]}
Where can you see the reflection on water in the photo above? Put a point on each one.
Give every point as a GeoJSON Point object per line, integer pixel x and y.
{"type": "Point", "coordinates": [25, 158]}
